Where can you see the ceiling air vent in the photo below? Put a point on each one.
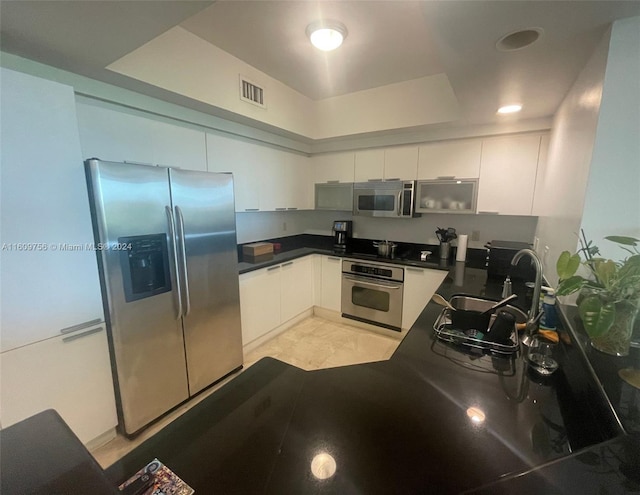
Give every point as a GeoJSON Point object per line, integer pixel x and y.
{"type": "Point", "coordinates": [251, 92]}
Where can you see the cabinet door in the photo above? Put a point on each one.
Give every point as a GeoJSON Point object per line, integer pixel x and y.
{"type": "Point", "coordinates": [401, 162]}
{"type": "Point", "coordinates": [333, 167]}
{"type": "Point", "coordinates": [508, 174]}
{"type": "Point", "coordinates": [301, 193]}
{"type": "Point", "coordinates": [118, 136]}
{"type": "Point", "coordinates": [180, 147]}
{"type": "Point", "coordinates": [419, 285]}
{"type": "Point", "coordinates": [330, 297]}
{"type": "Point", "coordinates": [460, 159]}
{"type": "Point", "coordinates": [369, 165]}
{"type": "Point", "coordinates": [71, 374]}
{"type": "Point", "coordinates": [259, 302]}
{"type": "Point", "coordinates": [296, 287]}
{"type": "Point", "coordinates": [241, 159]}
{"type": "Point", "coordinates": [49, 270]}
{"type": "Point", "coordinates": [114, 136]}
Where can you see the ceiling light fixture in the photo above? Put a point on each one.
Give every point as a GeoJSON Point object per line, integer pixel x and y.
{"type": "Point", "coordinates": [516, 107]}
{"type": "Point", "coordinates": [519, 39]}
{"type": "Point", "coordinates": [326, 35]}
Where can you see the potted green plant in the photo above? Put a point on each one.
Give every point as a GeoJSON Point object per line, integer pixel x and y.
{"type": "Point", "coordinates": [609, 297]}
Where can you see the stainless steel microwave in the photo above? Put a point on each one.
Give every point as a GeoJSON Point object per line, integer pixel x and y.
{"type": "Point", "coordinates": [392, 198]}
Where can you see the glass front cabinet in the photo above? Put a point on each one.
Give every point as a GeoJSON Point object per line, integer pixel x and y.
{"type": "Point", "coordinates": [447, 196]}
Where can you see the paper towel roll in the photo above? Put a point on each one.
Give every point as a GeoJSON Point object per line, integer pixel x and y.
{"type": "Point", "coordinates": [461, 254]}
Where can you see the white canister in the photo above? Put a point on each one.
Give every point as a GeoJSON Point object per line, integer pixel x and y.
{"type": "Point", "coordinates": [461, 253]}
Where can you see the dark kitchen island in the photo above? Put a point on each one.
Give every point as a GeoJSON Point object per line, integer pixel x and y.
{"type": "Point", "coordinates": [429, 420]}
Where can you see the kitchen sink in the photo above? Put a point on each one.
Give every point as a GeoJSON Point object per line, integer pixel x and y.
{"type": "Point", "coordinates": [474, 303]}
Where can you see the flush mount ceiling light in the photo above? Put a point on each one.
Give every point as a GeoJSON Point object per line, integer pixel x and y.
{"type": "Point", "coordinates": [519, 39]}
{"type": "Point", "coordinates": [514, 108]}
{"type": "Point", "coordinates": [326, 35]}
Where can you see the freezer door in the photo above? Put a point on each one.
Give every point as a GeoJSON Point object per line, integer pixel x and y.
{"type": "Point", "coordinates": [206, 230]}
{"type": "Point", "coordinates": [138, 277]}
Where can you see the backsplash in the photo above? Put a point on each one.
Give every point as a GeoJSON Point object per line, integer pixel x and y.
{"type": "Point", "coordinates": [256, 226]}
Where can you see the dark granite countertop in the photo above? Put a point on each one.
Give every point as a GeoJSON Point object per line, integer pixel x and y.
{"type": "Point", "coordinates": [399, 426]}
{"type": "Point", "coordinates": [406, 425]}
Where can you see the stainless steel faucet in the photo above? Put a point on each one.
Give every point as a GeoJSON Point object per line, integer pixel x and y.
{"type": "Point", "coordinates": [533, 311]}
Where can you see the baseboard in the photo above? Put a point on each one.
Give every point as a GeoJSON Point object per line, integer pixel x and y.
{"type": "Point", "coordinates": [101, 440]}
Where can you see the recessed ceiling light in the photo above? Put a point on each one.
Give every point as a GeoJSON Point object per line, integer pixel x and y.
{"type": "Point", "coordinates": [516, 107]}
{"type": "Point", "coordinates": [326, 35]}
{"type": "Point", "coordinates": [519, 39]}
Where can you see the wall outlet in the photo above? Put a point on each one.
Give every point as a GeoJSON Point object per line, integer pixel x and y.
{"type": "Point", "coordinates": [475, 235]}
{"type": "Point", "coordinates": [545, 256]}
{"type": "Point", "coordinates": [536, 243]}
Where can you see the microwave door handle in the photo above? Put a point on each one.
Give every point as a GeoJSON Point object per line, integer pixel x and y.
{"type": "Point", "coordinates": [400, 201]}
{"type": "Point", "coordinates": [183, 252]}
{"type": "Point", "coordinates": [174, 252]}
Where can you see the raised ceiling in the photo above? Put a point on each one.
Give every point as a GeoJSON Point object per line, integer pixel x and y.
{"type": "Point", "coordinates": [388, 42]}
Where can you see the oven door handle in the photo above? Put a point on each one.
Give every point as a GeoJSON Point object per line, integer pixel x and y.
{"type": "Point", "coordinates": [383, 285]}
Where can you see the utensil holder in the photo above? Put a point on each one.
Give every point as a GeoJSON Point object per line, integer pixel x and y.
{"type": "Point", "coordinates": [445, 250]}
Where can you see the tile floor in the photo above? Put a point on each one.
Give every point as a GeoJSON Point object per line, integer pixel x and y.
{"type": "Point", "coordinates": [314, 343]}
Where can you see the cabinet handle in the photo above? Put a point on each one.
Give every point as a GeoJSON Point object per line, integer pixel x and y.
{"type": "Point", "coordinates": [80, 326]}
{"type": "Point", "coordinates": [292, 208]}
{"type": "Point", "coordinates": [333, 182]}
{"type": "Point", "coordinates": [333, 258]}
{"type": "Point", "coordinates": [281, 209]}
{"type": "Point", "coordinates": [252, 209]}
{"type": "Point", "coordinates": [411, 269]}
{"type": "Point", "coordinates": [374, 180]}
{"type": "Point", "coordinates": [488, 213]}
{"type": "Point", "coordinates": [77, 336]}
{"type": "Point", "coordinates": [393, 178]}
{"type": "Point", "coordinates": [447, 177]}
{"type": "Point", "coordinates": [287, 263]}
{"type": "Point", "coordinates": [273, 268]}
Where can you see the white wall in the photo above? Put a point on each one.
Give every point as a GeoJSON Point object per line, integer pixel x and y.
{"type": "Point", "coordinates": [264, 225]}
{"type": "Point", "coordinates": [165, 60]}
{"type": "Point", "coordinates": [561, 185]}
{"type": "Point", "coordinates": [426, 100]}
{"type": "Point", "coordinates": [612, 205]}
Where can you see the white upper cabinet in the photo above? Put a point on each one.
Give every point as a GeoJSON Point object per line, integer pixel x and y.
{"type": "Point", "coordinates": [508, 174]}
{"type": "Point", "coordinates": [369, 165]}
{"type": "Point", "coordinates": [460, 159]}
{"type": "Point", "coordinates": [401, 162]}
{"type": "Point", "coordinates": [265, 179]}
{"type": "Point", "coordinates": [333, 167]}
{"type": "Point", "coordinates": [49, 275]}
{"type": "Point", "coordinates": [121, 137]}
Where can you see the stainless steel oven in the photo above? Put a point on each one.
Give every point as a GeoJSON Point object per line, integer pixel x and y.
{"type": "Point", "coordinates": [372, 292]}
{"type": "Point", "coordinates": [393, 198]}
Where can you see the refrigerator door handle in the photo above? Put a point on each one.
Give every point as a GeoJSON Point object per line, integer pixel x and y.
{"type": "Point", "coordinates": [174, 251]}
{"type": "Point", "coordinates": [183, 252]}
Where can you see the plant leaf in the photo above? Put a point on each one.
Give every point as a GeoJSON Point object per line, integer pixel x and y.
{"type": "Point", "coordinates": [570, 285]}
{"type": "Point", "coordinates": [567, 265]}
{"type": "Point", "coordinates": [597, 317]}
{"type": "Point", "coordinates": [620, 239]}
{"type": "Point", "coordinates": [606, 271]}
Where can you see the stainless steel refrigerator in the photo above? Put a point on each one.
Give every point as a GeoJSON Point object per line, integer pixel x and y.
{"type": "Point", "coordinates": [166, 245]}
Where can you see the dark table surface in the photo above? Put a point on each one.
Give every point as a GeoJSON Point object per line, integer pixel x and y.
{"type": "Point", "coordinates": [399, 426]}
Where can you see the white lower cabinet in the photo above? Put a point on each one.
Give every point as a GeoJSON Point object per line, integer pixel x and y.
{"type": "Point", "coordinates": [296, 287]}
{"type": "Point", "coordinates": [272, 296]}
{"type": "Point", "coordinates": [330, 295]}
{"type": "Point", "coordinates": [259, 302]}
{"type": "Point", "coordinates": [419, 285]}
{"type": "Point", "coordinates": [70, 373]}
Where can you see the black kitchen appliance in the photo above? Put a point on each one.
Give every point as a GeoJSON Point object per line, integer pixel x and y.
{"type": "Point", "coordinates": [499, 256]}
{"type": "Point", "coordinates": [342, 233]}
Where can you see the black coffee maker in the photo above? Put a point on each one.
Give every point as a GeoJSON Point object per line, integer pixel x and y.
{"type": "Point", "coordinates": [342, 232]}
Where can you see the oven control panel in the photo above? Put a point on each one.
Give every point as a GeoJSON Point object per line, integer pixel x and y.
{"type": "Point", "coordinates": [378, 270]}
